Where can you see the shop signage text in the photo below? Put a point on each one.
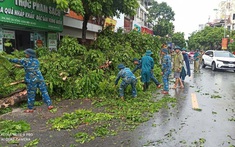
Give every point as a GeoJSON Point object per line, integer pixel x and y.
{"type": "Point", "coordinates": [29, 13]}
{"type": "Point", "coordinates": [37, 6]}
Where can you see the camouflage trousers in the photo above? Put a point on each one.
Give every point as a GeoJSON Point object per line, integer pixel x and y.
{"type": "Point", "coordinates": [31, 93]}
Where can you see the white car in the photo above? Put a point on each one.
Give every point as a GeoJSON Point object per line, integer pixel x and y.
{"type": "Point", "coordinates": [218, 59]}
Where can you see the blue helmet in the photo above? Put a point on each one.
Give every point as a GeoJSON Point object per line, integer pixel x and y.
{"type": "Point", "coordinates": [135, 59]}
{"type": "Point", "coordinates": [30, 52]}
{"type": "Point", "coordinates": [121, 66]}
{"type": "Point", "coordinates": [177, 47]}
{"type": "Point", "coordinates": [148, 52]}
{"type": "Point", "coordinates": [164, 50]}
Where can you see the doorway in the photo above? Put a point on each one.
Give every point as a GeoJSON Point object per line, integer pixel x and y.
{"type": "Point", "coordinates": [23, 40]}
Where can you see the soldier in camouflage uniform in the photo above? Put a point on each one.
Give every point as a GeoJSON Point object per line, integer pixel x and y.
{"type": "Point", "coordinates": [166, 70]}
{"type": "Point", "coordinates": [127, 78]}
{"type": "Point", "coordinates": [33, 79]}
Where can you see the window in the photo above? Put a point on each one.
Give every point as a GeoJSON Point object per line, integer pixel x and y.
{"type": "Point", "coordinates": [207, 53]}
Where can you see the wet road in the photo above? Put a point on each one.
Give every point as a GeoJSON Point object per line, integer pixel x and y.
{"type": "Point", "coordinates": [182, 126]}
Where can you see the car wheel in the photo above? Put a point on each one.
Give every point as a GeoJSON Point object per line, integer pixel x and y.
{"type": "Point", "coordinates": [213, 67]}
{"type": "Point", "coordinates": [203, 64]}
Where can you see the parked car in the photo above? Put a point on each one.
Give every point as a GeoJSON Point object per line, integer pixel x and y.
{"type": "Point", "coordinates": [218, 59]}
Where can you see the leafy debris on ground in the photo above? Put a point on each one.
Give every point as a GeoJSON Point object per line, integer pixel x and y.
{"type": "Point", "coordinates": [215, 96]}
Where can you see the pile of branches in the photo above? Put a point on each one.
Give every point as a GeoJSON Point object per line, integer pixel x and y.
{"type": "Point", "coordinates": [76, 71]}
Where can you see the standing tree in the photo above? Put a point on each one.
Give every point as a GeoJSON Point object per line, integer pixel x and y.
{"type": "Point", "coordinates": [97, 8]}
{"type": "Point", "coordinates": [163, 28]}
{"type": "Point", "coordinates": [192, 42]}
{"type": "Point", "coordinates": [208, 38]}
{"type": "Point", "coordinates": [161, 17]}
{"type": "Point", "coordinates": [178, 39]}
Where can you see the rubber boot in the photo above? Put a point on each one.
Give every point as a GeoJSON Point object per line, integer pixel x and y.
{"type": "Point", "coordinates": [144, 86]}
{"type": "Point", "coordinates": [147, 86]}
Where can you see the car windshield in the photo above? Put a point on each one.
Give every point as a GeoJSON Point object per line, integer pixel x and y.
{"type": "Point", "coordinates": [224, 54]}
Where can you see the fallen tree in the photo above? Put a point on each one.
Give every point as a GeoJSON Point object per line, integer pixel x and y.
{"type": "Point", "coordinates": [74, 70]}
{"type": "Point", "coordinates": [14, 98]}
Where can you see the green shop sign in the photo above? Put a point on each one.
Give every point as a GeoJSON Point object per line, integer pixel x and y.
{"type": "Point", "coordinates": [31, 14]}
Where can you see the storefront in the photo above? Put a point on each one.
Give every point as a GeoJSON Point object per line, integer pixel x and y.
{"type": "Point", "coordinates": [146, 30]}
{"type": "Point", "coordinates": [27, 24]}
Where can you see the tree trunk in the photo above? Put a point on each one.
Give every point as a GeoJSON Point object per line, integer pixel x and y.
{"type": "Point", "coordinates": [84, 27]}
{"type": "Point", "coordinates": [14, 98]}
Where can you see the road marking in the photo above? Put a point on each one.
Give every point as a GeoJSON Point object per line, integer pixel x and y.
{"type": "Point", "coordinates": [194, 101]}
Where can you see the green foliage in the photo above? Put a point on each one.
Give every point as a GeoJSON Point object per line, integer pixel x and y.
{"type": "Point", "coordinates": [81, 116]}
{"type": "Point", "coordinates": [231, 119]}
{"type": "Point", "coordinates": [5, 110]}
{"type": "Point", "coordinates": [208, 38]}
{"type": "Point", "coordinates": [83, 137]}
{"type": "Point", "coordinates": [99, 131]}
{"type": "Point", "coordinates": [161, 16]}
{"type": "Point", "coordinates": [73, 71]}
{"type": "Point", "coordinates": [215, 96]}
{"type": "Point", "coordinates": [9, 73]}
{"type": "Point", "coordinates": [70, 47]}
{"type": "Point", "coordinates": [102, 131]}
{"type": "Point", "coordinates": [163, 28]}
{"type": "Point", "coordinates": [231, 44]}
{"type": "Point", "coordinates": [32, 143]}
{"type": "Point", "coordinates": [127, 46]}
{"type": "Point", "coordinates": [178, 39]}
{"type": "Point", "coordinates": [75, 5]}
{"type": "Point", "coordinates": [133, 111]}
{"type": "Point", "coordinates": [161, 11]}
{"type": "Point", "coordinates": [199, 142]}
{"type": "Point", "coordinates": [11, 128]}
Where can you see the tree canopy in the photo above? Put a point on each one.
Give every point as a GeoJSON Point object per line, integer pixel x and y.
{"type": "Point", "coordinates": [208, 38]}
{"type": "Point", "coordinates": [161, 16]}
{"type": "Point", "coordinates": [163, 28]}
{"type": "Point", "coordinates": [178, 39]}
{"type": "Point", "coordinates": [161, 11]}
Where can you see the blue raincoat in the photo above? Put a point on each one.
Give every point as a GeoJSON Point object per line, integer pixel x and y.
{"type": "Point", "coordinates": [146, 68]}
{"type": "Point", "coordinates": [33, 79]}
{"type": "Point", "coordinates": [138, 66]}
{"type": "Point", "coordinates": [186, 69]}
{"type": "Point", "coordinates": [127, 78]}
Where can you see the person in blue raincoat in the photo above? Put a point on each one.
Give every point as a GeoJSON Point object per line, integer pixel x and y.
{"type": "Point", "coordinates": [166, 69]}
{"type": "Point", "coordinates": [186, 66]}
{"type": "Point", "coordinates": [147, 65]}
{"type": "Point", "coordinates": [33, 79]}
{"type": "Point", "coordinates": [127, 78]}
{"type": "Point", "coordinates": [137, 62]}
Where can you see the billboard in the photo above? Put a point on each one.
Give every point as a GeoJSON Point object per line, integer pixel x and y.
{"type": "Point", "coordinates": [29, 13]}
{"type": "Point", "coordinates": [110, 22]}
{"type": "Point", "coordinates": [224, 43]}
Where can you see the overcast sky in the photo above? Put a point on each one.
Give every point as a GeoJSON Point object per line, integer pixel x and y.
{"type": "Point", "coordinates": [189, 14]}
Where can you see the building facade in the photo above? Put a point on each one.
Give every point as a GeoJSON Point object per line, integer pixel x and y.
{"type": "Point", "coordinates": [225, 14]}
{"type": "Point", "coordinates": [137, 22]}
{"type": "Point", "coordinates": [27, 24]}
{"type": "Point", "coordinates": [73, 26]}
